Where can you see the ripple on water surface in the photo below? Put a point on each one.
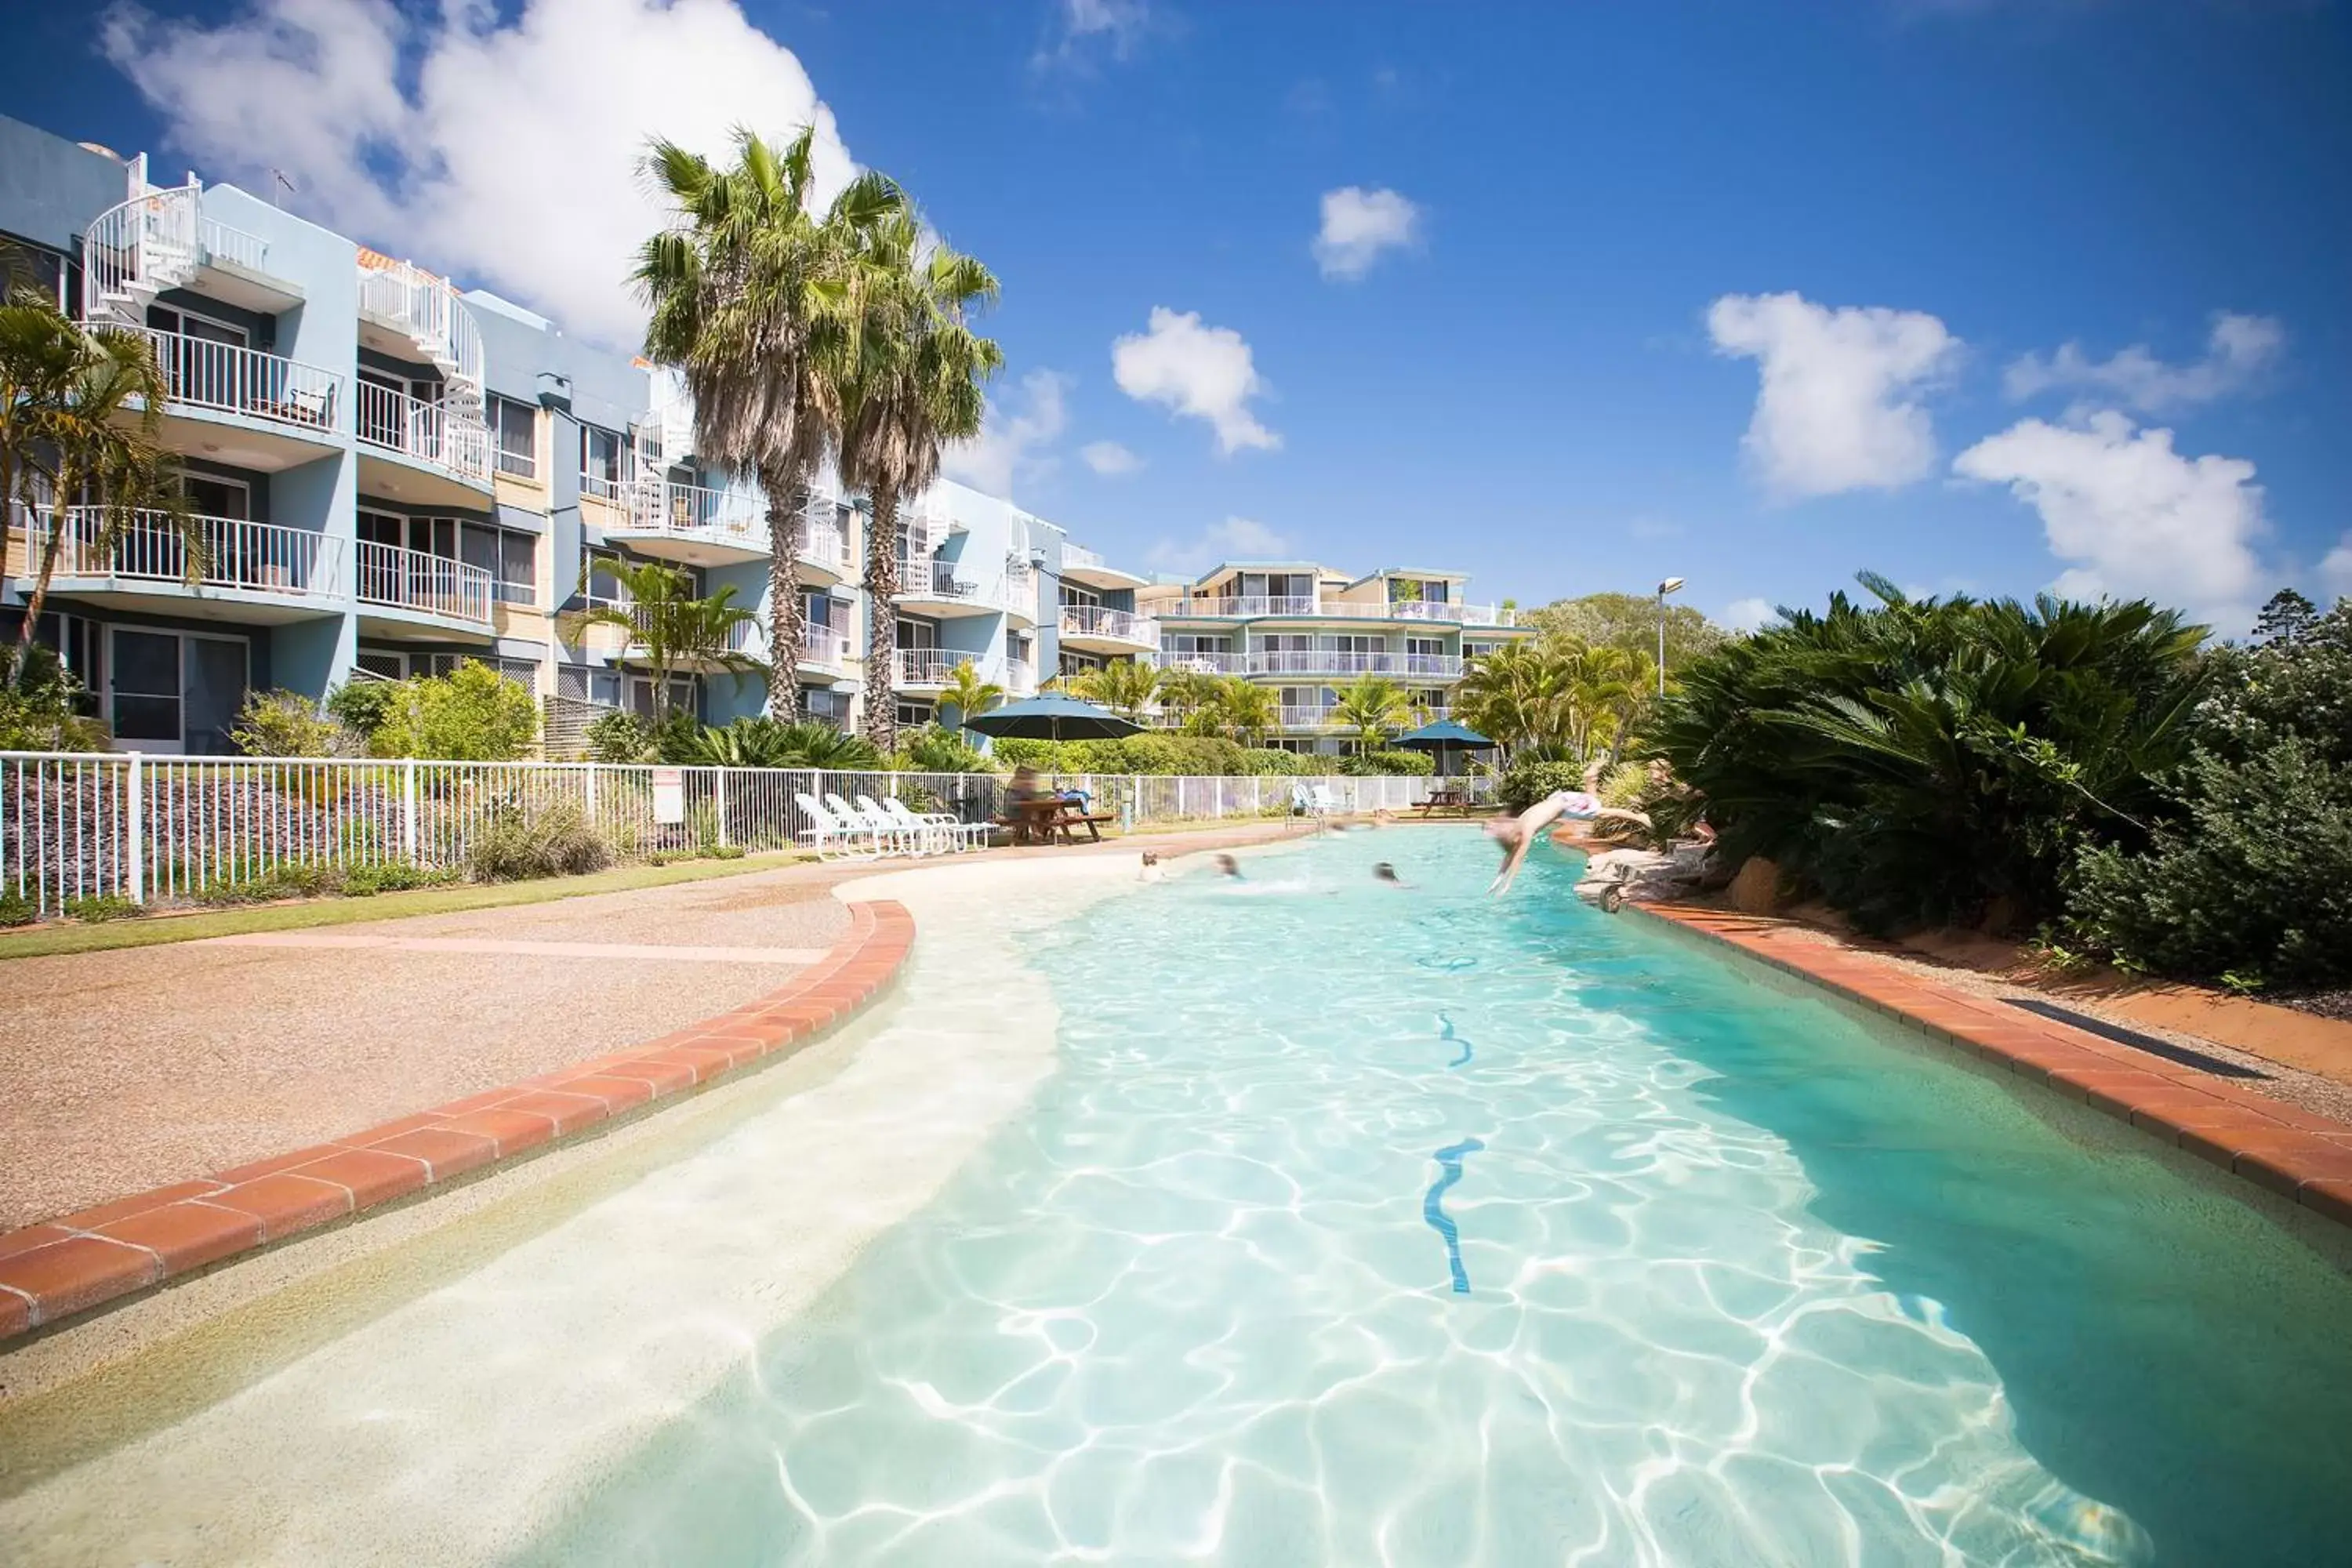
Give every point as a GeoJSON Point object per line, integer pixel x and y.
{"type": "Point", "coordinates": [1673, 1268]}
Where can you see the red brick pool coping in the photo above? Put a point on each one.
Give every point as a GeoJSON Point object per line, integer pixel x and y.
{"type": "Point", "coordinates": [67, 1265]}
{"type": "Point", "coordinates": [2304, 1158]}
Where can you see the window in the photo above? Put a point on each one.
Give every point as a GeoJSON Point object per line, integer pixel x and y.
{"type": "Point", "coordinates": [918, 634]}
{"type": "Point", "coordinates": [1080, 663]}
{"type": "Point", "coordinates": [1080, 596]}
{"type": "Point", "coordinates": [175, 690]}
{"type": "Point", "coordinates": [516, 426]}
{"type": "Point", "coordinates": [1016, 647]}
{"type": "Point", "coordinates": [1425, 644]}
{"type": "Point", "coordinates": [510, 556]}
{"type": "Point", "coordinates": [914, 715]}
{"type": "Point", "coordinates": [601, 466]}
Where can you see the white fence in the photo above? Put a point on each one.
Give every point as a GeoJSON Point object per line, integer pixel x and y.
{"type": "Point", "coordinates": [110, 825]}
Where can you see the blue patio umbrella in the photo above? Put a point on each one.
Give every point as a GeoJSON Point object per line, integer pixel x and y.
{"type": "Point", "coordinates": [1444, 738]}
{"type": "Point", "coordinates": [1053, 717]}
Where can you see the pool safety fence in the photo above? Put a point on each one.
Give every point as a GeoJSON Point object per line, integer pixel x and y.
{"type": "Point", "coordinates": [150, 829]}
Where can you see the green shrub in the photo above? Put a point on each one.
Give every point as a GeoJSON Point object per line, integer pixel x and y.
{"type": "Point", "coordinates": [1271, 762]}
{"type": "Point", "coordinates": [725, 852]}
{"type": "Point", "coordinates": [287, 724]}
{"type": "Point", "coordinates": [99, 908]}
{"type": "Point", "coordinates": [17, 909]}
{"type": "Point", "coordinates": [763, 742]}
{"type": "Point", "coordinates": [1396, 764]}
{"type": "Point", "coordinates": [558, 841]}
{"type": "Point", "coordinates": [937, 750]}
{"type": "Point", "coordinates": [472, 714]}
{"type": "Point", "coordinates": [43, 711]}
{"type": "Point", "coordinates": [393, 877]}
{"type": "Point", "coordinates": [1524, 783]}
{"type": "Point", "coordinates": [363, 706]}
{"type": "Point", "coordinates": [620, 737]}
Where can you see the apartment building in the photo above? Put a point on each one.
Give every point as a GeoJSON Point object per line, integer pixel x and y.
{"type": "Point", "coordinates": [1307, 631]}
{"type": "Point", "coordinates": [393, 474]}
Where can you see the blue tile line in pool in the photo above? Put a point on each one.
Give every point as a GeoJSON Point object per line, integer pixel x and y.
{"type": "Point", "coordinates": [1445, 1032]}
{"type": "Point", "coordinates": [1433, 1208]}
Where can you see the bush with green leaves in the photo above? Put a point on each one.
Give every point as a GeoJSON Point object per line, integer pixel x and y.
{"type": "Point", "coordinates": [1156, 752]}
{"type": "Point", "coordinates": [1396, 762]}
{"type": "Point", "coordinates": [97, 908]}
{"type": "Point", "coordinates": [620, 737]}
{"type": "Point", "coordinates": [17, 909]}
{"type": "Point", "coordinates": [1271, 762]}
{"type": "Point", "coordinates": [555, 841]}
{"type": "Point", "coordinates": [363, 706]}
{"type": "Point", "coordinates": [1937, 761]}
{"type": "Point", "coordinates": [472, 714]}
{"type": "Point", "coordinates": [935, 750]}
{"type": "Point", "coordinates": [1524, 783]}
{"type": "Point", "coordinates": [763, 742]}
{"type": "Point", "coordinates": [42, 703]}
{"type": "Point", "coordinates": [2247, 876]}
{"type": "Point", "coordinates": [287, 724]}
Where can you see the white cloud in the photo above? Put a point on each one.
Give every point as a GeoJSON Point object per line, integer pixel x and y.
{"type": "Point", "coordinates": [1838, 406]}
{"type": "Point", "coordinates": [1012, 445]}
{"type": "Point", "coordinates": [502, 152]}
{"type": "Point", "coordinates": [1358, 226]}
{"type": "Point", "coordinates": [1748, 614]}
{"type": "Point", "coordinates": [1109, 458]}
{"type": "Point", "coordinates": [1204, 372]}
{"type": "Point", "coordinates": [1235, 538]}
{"type": "Point", "coordinates": [2136, 517]}
{"type": "Point", "coordinates": [2237, 351]}
{"type": "Point", "coordinates": [2336, 569]}
{"type": "Point", "coordinates": [1085, 29]}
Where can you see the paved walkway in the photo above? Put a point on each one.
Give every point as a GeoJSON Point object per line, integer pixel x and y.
{"type": "Point", "coordinates": [139, 1067]}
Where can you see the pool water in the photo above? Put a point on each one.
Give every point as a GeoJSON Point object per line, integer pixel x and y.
{"type": "Point", "coordinates": [1369, 1225]}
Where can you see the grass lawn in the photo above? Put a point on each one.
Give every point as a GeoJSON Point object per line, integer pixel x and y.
{"type": "Point", "coordinates": [150, 930]}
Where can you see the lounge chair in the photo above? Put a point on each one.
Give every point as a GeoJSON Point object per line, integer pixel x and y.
{"type": "Point", "coordinates": [833, 838]}
{"type": "Point", "coordinates": [891, 838]}
{"type": "Point", "coordinates": [954, 831]}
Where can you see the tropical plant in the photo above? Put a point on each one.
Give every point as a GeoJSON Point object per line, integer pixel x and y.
{"type": "Point", "coordinates": [1184, 692]}
{"type": "Point", "coordinates": [1377, 764]}
{"type": "Point", "coordinates": [1375, 708]}
{"type": "Point", "coordinates": [904, 381]}
{"type": "Point", "coordinates": [556, 841]}
{"type": "Point", "coordinates": [287, 724]}
{"type": "Point", "coordinates": [1558, 697]}
{"type": "Point", "coordinates": [932, 748]}
{"type": "Point", "coordinates": [362, 705]}
{"type": "Point", "coordinates": [81, 417]}
{"type": "Point", "coordinates": [41, 703]}
{"type": "Point", "coordinates": [671, 627]}
{"type": "Point", "coordinates": [620, 737]}
{"type": "Point", "coordinates": [1937, 761]}
{"type": "Point", "coordinates": [1527, 781]}
{"type": "Point", "coordinates": [761, 742]}
{"type": "Point", "coordinates": [969, 695]}
{"type": "Point", "coordinates": [1125, 686]}
{"type": "Point", "coordinates": [472, 714]}
{"type": "Point", "coordinates": [1243, 712]}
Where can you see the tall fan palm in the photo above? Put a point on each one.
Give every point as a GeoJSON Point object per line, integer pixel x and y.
{"type": "Point", "coordinates": [672, 628]}
{"type": "Point", "coordinates": [85, 419]}
{"type": "Point", "coordinates": [747, 290]}
{"type": "Point", "coordinates": [907, 383]}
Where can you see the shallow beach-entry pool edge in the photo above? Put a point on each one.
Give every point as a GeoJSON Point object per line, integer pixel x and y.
{"type": "Point", "coordinates": [2289, 1154]}
{"type": "Point", "coordinates": [61, 1272]}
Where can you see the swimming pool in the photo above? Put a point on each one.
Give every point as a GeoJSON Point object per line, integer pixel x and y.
{"type": "Point", "coordinates": [1365, 1224]}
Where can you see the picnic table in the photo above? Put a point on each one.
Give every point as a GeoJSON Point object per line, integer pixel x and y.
{"type": "Point", "coordinates": [1454, 798]}
{"type": "Point", "coordinates": [1040, 820]}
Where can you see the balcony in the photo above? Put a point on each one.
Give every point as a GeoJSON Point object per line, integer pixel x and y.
{"type": "Point", "coordinates": [1205, 663]}
{"type": "Point", "coordinates": [411, 314]}
{"type": "Point", "coordinates": [934, 589]}
{"type": "Point", "coordinates": [252, 572]}
{"type": "Point", "coordinates": [1444, 612]}
{"type": "Point", "coordinates": [825, 555]}
{"type": "Point", "coordinates": [824, 654]}
{"type": "Point", "coordinates": [1082, 565]}
{"type": "Point", "coordinates": [1332, 661]}
{"type": "Point", "coordinates": [439, 454]}
{"type": "Point", "coordinates": [1316, 719]}
{"type": "Point", "coordinates": [410, 593]}
{"type": "Point", "coordinates": [1091, 628]}
{"type": "Point", "coordinates": [1020, 678]}
{"type": "Point", "coordinates": [1447, 612]}
{"type": "Point", "coordinates": [212, 388]}
{"type": "Point", "coordinates": [1019, 595]}
{"type": "Point", "coordinates": [925, 668]}
{"type": "Point", "coordinates": [691, 523]}
{"type": "Point", "coordinates": [161, 240]}
{"type": "Point", "coordinates": [1240, 608]}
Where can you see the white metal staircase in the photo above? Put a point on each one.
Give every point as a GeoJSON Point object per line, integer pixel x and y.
{"type": "Point", "coordinates": [424, 309]}
{"type": "Point", "coordinates": [134, 252]}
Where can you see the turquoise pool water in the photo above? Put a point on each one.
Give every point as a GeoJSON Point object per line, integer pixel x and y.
{"type": "Point", "coordinates": [1367, 1226]}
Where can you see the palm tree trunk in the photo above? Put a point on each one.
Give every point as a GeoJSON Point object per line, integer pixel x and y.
{"type": "Point", "coordinates": [787, 615]}
{"type": "Point", "coordinates": [880, 724]}
{"type": "Point", "coordinates": [47, 569]}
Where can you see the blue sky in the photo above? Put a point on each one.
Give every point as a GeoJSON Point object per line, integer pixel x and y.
{"type": "Point", "coordinates": [1754, 295]}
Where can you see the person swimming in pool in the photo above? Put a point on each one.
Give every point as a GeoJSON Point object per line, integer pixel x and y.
{"type": "Point", "coordinates": [1229, 867]}
{"type": "Point", "coordinates": [1516, 836]}
{"type": "Point", "coordinates": [1385, 873]}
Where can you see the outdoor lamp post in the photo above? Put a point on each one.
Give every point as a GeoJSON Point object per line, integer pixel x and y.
{"type": "Point", "coordinates": [1664, 588]}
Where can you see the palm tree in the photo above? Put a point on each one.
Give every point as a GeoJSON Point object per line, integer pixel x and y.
{"type": "Point", "coordinates": [905, 381]}
{"type": "Point", "coordinates": [746, 293]}
{"type": "Point", "coordinates": [1124, 686]}
{"type": "Point", "coordinates": [1514, 695]}
{"type": "Point", "coordinates": [969, 695]}
{"type": "Point", "coordinates": [81, 416]}
{"type": "Point", "coordinates": [674, 629]}
{"type": "Point", "coordinates": [1184, 692]}
{"type": "Point", "coordinates": [1374, 707]}
{"type": "Point", "coordinates": [1244, 712]}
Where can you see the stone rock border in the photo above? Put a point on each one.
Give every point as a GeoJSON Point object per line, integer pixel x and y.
{"type": "Point", "coordinates": [2303, 1158]}
{"type": "Point", "coordinates": [63, 1267]}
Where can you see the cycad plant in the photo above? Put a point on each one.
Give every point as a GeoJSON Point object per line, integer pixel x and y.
{"type": "Point", "coordinates": [747, 293]}
{"type": "Point", "coordinates": [671, 628]}
{"type": "Point", "coordinates": [1375, 708]}
{"type": "Point", "coordinates": [904, 382]}
{"type": "Point", "coordinates": [969, 695]}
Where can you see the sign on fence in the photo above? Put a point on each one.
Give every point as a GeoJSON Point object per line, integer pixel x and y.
{"type": "Point", "coordinates": [669, 796]}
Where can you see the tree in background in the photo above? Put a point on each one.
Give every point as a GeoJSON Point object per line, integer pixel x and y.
{"type": "Point", "coordinates": [673, 629]}
{"type": "Point", "coordinates": [1629, 621]}
{"type": "Point", "coordinates": [1375, 708]}
{"type": "Point", "coordinates": [969, 695]}
{"type": "Point", "coordinates": [746, 293]}
{"type": "Point", "coordinates": [1243, 712]}
{"type": "Point", "coordinates": [1125, 686]}
{"type": "Point", "coordinates": [905, 380]}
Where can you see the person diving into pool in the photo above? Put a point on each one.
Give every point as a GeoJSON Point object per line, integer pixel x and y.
{"type": "Point", "coordinates": [1516, 836]}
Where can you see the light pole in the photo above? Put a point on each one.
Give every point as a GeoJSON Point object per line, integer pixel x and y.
{"type": "Point", "coordinates": [1664, 588]}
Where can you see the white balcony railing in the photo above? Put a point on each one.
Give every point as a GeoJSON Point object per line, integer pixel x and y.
{"type": "Point", "coordinates": [429, 432]}
{"type": "Point", "coordinates": [1332, 661]}
{"type": "Point", "coordinates": [232, 552]}
{"type": "Point", "coordinates": [430, 584]}
{"type": "Point", "coordinates": [1248, 605]}
{"type": "Point", "coordinates": [1079, 556]}
{"type": "Point", "coordinates": [158, 240]}
{"type": "Point", "coordinates": [1443, 611]}
{"type": "Point", "coordinates": [937, 579]}
{"type": "Point", "coordinates": [823, 543]}
{"type": "Point", "coordinates": [926, 665]}
{"type": "Point", "coordinates": [1306, 718]}
{"type": "Point", "coordinates": [1095, 620]}
{"type": "Point", "coordinates": [699, 511]}
{"type": "Point", "coordinates": [230, 379]}
{"type": "Point", "coordinates": [1020, 678]}
{"type": "Point", "coordinates": [426, 310]}
{"type": "Point", "coordinates": [824, 647]}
